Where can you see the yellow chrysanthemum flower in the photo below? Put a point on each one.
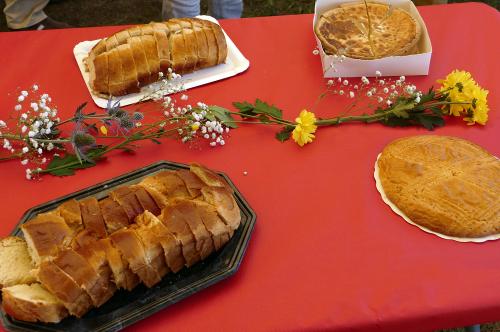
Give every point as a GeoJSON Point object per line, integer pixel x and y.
{"type": "Point", "coordinates": [458, 85]}
{"type": "Point", "coordinates": [305, 128]}
{"type": "Point", "coordinates": [479, 109]}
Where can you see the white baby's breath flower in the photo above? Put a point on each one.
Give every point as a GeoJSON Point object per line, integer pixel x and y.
{"type": "Point", "coordinates": [330, 82]}
{"type": "Point", "coordinates": [378, 73]}
{"type": "Point", "coordinates": [44, 160]}
{"type": "Point", "coordinates": [2, 124]}
{"type": "Point", "coordinates": [31, 133]}
{"type": "Point", "coordinates": [315, 51]}
{"type": "Point", "coordinates": [351, 94]}
{"type": "Point", "coordinates": [24, 116]}
{"type": "Point", "coordinates": [402, 78]}
{"type": "Point", "coordinates": [24, 162]}
{"type": "Point", "coordinates": [222, 142]}
{"type": "Point", "coordinates": [365, 80]}
{"type": "Point", "coordinates": [40, 151]}
{"type": "Point", "coordinates": [369, 94]}
{"type": "Point", "coordinates": [393, 86]}
{"type": "Point", "coordinates": [24, 93]}
{"type": "Point", "coordinates": [380, 99]}
{"type": "Point", "coordinates": [381, 82]}
{"type": "Point", "coordinates": [417, 99]}
{"type": "Point", "coordinates": [184, 97]}
{"type": "Point", "coordinates": [206, 136]}
{"type": "Point", "coordinates": [346, 82]}
{"type": "Point", "coordinates": [50, 146]}
{"type": "Point", "coordinates": [212, 144]}
{"type": "Point", "coordinates": [386, 90]}
{"type": "Point", "coordinates": [227, 130]}
{"type": "Point", "coordinates": [23, 129]}
{"type": "Point", "coordinates": [35, 87]}
{"type": "Point", "coordinates": [18, 107]}
{"type": "Point", "coordinates": [20, 98]}
{"type": "Point", "coordinates": [389, 103]}
{"type": "Point", "coordinates": [25, 149]}
{"type": "Point", "coordinates": [341, 92]}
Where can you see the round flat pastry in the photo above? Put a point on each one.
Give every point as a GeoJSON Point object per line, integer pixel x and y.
{"type": "Point", "coordinates": [446, 185]}
{"type": "Point", "coordinates": [345, 30]}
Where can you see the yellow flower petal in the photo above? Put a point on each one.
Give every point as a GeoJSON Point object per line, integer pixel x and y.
{"type": "Point", "coordinates": [304, 130]}
{"type": "Point", "coordinates": [103, 130]}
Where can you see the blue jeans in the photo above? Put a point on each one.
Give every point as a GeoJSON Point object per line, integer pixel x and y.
{"type": "Point", "coordinates": [191, 8]}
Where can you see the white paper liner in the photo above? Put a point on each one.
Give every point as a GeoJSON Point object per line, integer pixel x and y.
{"type": "Point", "coordinates": [400, 213]}
{"type": "Point", "coordinates": [235, 64]}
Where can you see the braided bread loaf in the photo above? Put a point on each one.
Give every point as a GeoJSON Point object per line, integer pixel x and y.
{"type": "Point", "coordinates": [85, 250]}
{"type": "Point", "coordinates": [122, 63]}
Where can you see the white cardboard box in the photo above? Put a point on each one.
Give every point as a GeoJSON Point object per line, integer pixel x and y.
{"type": "Point", "coordinates": [415, 64]}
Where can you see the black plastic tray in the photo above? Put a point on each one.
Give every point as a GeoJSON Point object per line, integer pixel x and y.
{"type": "Point", "coordinates": [126, 308]}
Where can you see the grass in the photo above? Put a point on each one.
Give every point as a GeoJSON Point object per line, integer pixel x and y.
{"type": "Point", "coordinates": [82, 13]}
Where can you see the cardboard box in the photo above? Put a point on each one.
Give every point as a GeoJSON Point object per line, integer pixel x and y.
{"type": "Point", "coordinates": [415, 64]}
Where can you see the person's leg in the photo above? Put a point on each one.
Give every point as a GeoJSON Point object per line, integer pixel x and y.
{"type": "Point", "coordinates": [24, 13]}
{"type": "Point", "coordinates": [180, 8]}
{"type": "Point", "coordinates": [225, 8]}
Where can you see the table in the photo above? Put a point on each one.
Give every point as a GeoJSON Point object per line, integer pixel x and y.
{"type": "Point", "coordinates": [326, 253]}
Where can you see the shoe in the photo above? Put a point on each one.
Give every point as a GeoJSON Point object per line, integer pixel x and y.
{"type": "Point", "coordinates": [46, 24]}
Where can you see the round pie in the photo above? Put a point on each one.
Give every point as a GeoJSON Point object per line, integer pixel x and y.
{"type": "Point", "coordinates": [445, 184]}
{"type": "Point", "coordinates": [345, 31]}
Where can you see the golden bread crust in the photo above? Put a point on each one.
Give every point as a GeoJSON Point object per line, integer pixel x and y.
{"type": "Point", "coordinates": [344, 31]}
{"type": "Point", "coordinates": [446, 184]}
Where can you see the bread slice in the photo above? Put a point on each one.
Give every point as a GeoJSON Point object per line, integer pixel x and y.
{"type": "Point", "coordinates": [32, 303]}
{"type": "Point", "coordinates": [129, 244]}
{"type": "Point", "coordinates": [160, 200]}
{"type": "Point", "coordinates": [221, 42]}
{"type": "Point", "coordinates": [160, 32]}
{"type": "Point", "coordinates": [225, 204]}
{"type": "Point", "coordinates": [92, 217]}
{"type": "Point", "coordinates": [192, 182]}
{"type": "Point", "coordinates": [201, 43]}
{"type": "Point", "coordinates": [111, 43]}
{"type": "Point", "coordinates": [212, 45]}
{"type": "Point", "coordinates": [177, 47]}
{"type": "Point", "coordinates": [15, 262]}
{"type": "Point", "coordinates": [45, 234]}
{"type": "Point", "coordinates": [219, 231]}
{"type": "Point", "coordinates": [152, 245]}
{"type": "Point", "coordinates": [57, 282]}
{"type": "Point", "coordinates": [190, 52]}
{"type": "Point", "coordinates": [125, 196]}
{"type": "Point", "coordinates": [84, 275]}
{"type": "Point", "coordinates": [152, 57]}
{"type": "Point", "coordinates": [168, 183]}
{"type": "Point", "coordinates": [122, 36]}
{"type": "Point", "coordinates": [141, 63]}
{"type": "Point", "coordinates": [115, 74]}
{"type": "Point", "coordinates": [72, 215]}
{"type": "Point", "coordinates": [123, 277]}
{"type": "Point", "coordinates": [209, 177]}
{"type": "Point", "coordinates": [172, 247]}
{"type": "Point", "coordinates": [175, 223]}
{"type": "Point", "coordinates": [130, 75]}
{"type": "Point", "coordinates": [204, 242]}
{"type": "Point", "coordinates": [146, 200]}
{"type": "Point", "coordinates": [114, 215]}
{"type": "Point", "coordinates": [99, 73]}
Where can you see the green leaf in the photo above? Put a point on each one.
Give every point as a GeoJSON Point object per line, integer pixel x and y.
{"type": "Point", "coordinates": [429, 121]}
{"type": "Point", "coordinates": [155, 141]}
{"type": "Point", "coordinates": [244, 107]}
{"type": "Point", "coordinates": [64, 166]}
{"type": "Point", "coordinates": [223, 116]}
{"type": "Point", "coordinates": [400, 109]}
{"type": "Point", "coordinates": [285, 133]}
{"type": "Point", "coordinates": [262, 107]}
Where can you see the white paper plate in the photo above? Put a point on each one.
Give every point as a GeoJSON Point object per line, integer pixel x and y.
{"type": "Point", "coordinates": [235, 64]}
{"type": "Point", "coordinates": [400, 213]}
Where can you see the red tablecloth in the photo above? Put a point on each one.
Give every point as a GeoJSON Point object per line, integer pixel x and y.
{"type": "Point", "coordinates": [326, 253]}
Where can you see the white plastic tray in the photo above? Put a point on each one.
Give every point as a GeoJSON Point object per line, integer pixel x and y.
{"type": "Point", "coordinates": [235, 64]}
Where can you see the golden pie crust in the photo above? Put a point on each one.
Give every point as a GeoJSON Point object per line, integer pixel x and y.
{"type": "Point", "coordinates": [446, 184]}
{"type": "Point", "coordinates": [344, 31]}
